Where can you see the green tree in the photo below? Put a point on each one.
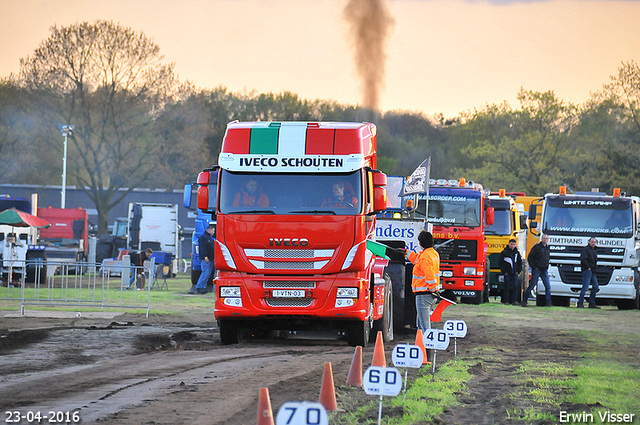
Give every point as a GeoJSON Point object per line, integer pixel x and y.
{"type": "Point", "coordinates": [110, 83]}
{"type": "Point", "coordinates": [529, 149]}
{"type": "Point", "coordinates": [610, 130]}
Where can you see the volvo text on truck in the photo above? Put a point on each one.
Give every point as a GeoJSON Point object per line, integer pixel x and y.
{"type": "Point", "coordinates": [296, 204]}
{"type": "Point", "coordinates": [570, 220]}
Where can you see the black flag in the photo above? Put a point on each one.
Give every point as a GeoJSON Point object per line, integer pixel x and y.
{"type": "Point", "coordinates": [418, 181]}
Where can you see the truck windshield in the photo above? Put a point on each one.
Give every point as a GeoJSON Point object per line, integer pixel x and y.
{"type": "Point", "coordinates": [588, 217]}
{"type": "Point", "coordinates": [289, 193]}
{"type": "Point", "coordinates": [452, 210]}
{"type": "Point", "coordinates": [501, 223]}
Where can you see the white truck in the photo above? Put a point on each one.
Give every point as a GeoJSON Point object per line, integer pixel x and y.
{"type": "Point", "coordinates": [150, 225]}
{"type": "Point", "coordinates": [569, 221]}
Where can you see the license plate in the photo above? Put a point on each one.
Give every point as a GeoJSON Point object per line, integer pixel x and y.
{"type": "Point", "coordinates": [465, 293]}
{"type": "Point", "coordinates": [446, 273]}
{"type": "Point", "coordinates": [288, 293]}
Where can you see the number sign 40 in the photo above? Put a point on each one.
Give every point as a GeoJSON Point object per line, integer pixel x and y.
{"type": "Point", "coordinates": [436, 339]}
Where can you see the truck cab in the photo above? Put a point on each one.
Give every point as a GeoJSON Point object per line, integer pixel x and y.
{"type": "Point", "coordinates": [570, 220]}
{"type": "Point", "coordinates": [296, 203]}
{"type": "Point", "coordinates": [509, 223]}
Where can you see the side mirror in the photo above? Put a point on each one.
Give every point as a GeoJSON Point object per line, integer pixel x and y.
{"type": "Point", "coordinates": [186, 198]}
{"type": "Point", "coordinates": [379, 199]}
{"type": "Point", "coordinates": [523, 222]}
{"type": "Point", "coordinates": [490, 214]}
{"type": "Point", "coordinates": [533, 212]}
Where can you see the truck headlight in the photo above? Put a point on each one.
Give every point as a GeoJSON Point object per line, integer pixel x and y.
{"type": "Point", "coordinates": [469, 271]}
{"type": "Point", "coordinates": [229, 291]}
{"type": "Point", "coordinates": [347, 292]}
{"type": "Point", "coordinates": [624, 279]}
{"type": "Point", "coordinates": [226, 254]}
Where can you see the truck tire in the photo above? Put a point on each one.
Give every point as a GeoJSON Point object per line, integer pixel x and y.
{"type": "Point", "coordinates": [385, 323]}
{"type": "Point", "coordinates": [229, 331]}
{"type": "Point", "coordinates": [359, 332]}
{"type": "Point", "coordinates": [560, 301]}
{"type": "Point", "coordinates": [540, 300]}
{"type": "Point", "coordinates": [195, 275]}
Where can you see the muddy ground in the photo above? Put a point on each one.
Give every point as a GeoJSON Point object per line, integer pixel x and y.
{"type": "Point", "coordinates": [128, 369]}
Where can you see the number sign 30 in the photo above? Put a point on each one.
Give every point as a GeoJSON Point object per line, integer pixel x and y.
{"type": "Point", "coordinates": [456, 328]}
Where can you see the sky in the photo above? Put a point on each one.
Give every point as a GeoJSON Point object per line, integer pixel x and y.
{"type": "Point", "coordinates": [439, 56]}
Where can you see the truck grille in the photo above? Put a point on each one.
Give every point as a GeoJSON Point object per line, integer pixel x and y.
{"type": "Point", "coordinates": [289, 253]}
{"type": "Point", "coordinates": [458, 250]}
{"type": "Point", "coordinates": [289, 284]}
{"type": "Point", "coordinates": [566, 254]}
{"type": "Point", "coordinates": [288, 302]}
{"type": "Point", "coordinates": [494, 261]}
{"type": "Point", "coordinates": [289, 265]}
{"type": "Point", "coordinates": [572, 277]}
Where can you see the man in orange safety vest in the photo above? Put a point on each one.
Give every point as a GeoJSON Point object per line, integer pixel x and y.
{"type": "Point", "coordinates": [426, 278]}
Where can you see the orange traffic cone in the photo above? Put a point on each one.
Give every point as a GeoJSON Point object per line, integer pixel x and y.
{"type": "Point", "coordinates": [328, 390]}
{"type": "Point", "coordinates": [265, 415]}
{"type": "Point", "coordinates": [378, 352]}
{"type": "Point", "coordinates": [355, 371]}
{"type": "Point", "coordinates": [420, 343]}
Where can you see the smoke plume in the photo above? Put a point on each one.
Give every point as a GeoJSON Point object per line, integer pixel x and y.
{"type": "Point", "coordinates": [370, 23]}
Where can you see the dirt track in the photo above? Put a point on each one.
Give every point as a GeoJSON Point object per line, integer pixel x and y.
{"type": "Point", "coordinates": [132, 370]}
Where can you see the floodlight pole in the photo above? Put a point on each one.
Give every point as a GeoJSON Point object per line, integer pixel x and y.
{"type": "Point", "coordinates": [66, 131]}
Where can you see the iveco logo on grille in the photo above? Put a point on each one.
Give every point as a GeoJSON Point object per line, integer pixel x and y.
{"type": "Point", "coordinates": [288, 242]}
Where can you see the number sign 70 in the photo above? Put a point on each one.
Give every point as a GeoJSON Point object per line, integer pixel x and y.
{"type": "Point", "coordinates": [302, 413]}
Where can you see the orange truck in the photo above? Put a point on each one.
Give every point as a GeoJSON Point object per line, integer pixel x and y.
{"type": "Point", "coordinates": [296, 204]}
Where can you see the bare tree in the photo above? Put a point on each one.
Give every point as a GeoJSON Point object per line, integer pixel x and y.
{"type": "Point", "coordinates": [110, 83]}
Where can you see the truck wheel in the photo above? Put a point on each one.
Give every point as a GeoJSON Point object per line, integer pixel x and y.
{"type": "Point", "coordinates": [229, 331]}
{"type": "Point", "coordinates": [195, 275]}
{"type": "Point", "coordinates": [385, 323]}
{"type": "Point", "coordinates": [541, 301]}
{"type": "Point", "coordinates": [358, 333]}
{"type": "Point", "coordinates": [633, 304]}
{"type": "Point", "coordinates": [560, 301]}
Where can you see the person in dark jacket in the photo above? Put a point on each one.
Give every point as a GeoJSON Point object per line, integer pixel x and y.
{"type": "Point", "coordinates": [205, 253]}
{"type": "Point", "coordinates": [589, 264]}
{"type": "Point", "coordinates": [510, 263]}
{"type": "Point", "coordinates": [137, 260]}
{"type": "Point", "coordinates": [539, 263]}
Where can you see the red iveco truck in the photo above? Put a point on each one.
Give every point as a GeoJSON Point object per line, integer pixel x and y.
{"type": "Point", "coordinates": [296, 204]}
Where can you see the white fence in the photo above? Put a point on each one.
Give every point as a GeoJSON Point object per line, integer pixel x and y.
{"type": "Point", "coordinates": [79, 284]}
